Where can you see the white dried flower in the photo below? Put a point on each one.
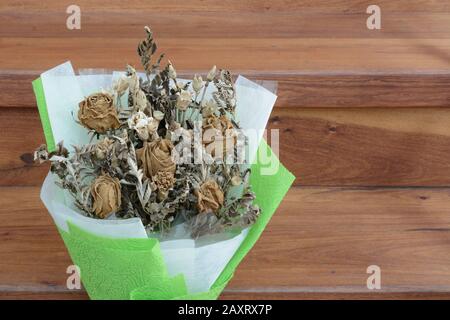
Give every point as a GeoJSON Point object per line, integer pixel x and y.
{"type": "Point", "coordinates": [184, 99]}
{"type": "Point", "coordinates": [172, 71]}
{"type": "Point", "coordinates": [143, 125]}
{"type": "Point", "coordinates": [209, 108]}
{"type": "Point", "coordinates": [197, 83]}
{"type": "Point", "coordinates": [137, 118]}
{"type": "Point", "coordinates": [211, 74]}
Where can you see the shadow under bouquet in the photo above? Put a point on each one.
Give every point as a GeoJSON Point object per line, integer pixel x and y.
{"type": "Point", "coordinates": [158, 185]}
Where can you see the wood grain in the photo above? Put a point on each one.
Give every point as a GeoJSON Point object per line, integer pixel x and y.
{"type": "Point", "coordinates": [311, 55]}
{"type": "Point", "coordinates": [320, 241]}
{"type": "Point", "coordinates": [357, 110]}
{"type": "Point", "coordinates": [297, 90]}
{"type": "Point", "coordinates": [322, 147]}
{"type": "Point", "coordinates": [365, 147]}
{"type": "Point", "coordinates": [213, 19]}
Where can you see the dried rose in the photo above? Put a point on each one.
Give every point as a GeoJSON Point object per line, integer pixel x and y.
{"type": "Point", "coordinates": [102, 148]}
{"type": "Point", "coordinates": [209, 197]}
{"type": "Point", "coordinates": [156, 156]}
{"type": "Point", "coordinates": [106, 195]}
{"type": "Point", "coordinates": [218, 132]}
{"type": "Point", "coordinates": [98, 113]}
{"type": "Point", "coordinates": [184, 99]}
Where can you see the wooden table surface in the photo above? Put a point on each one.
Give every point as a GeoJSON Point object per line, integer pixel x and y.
{"type": "Point", "coordinates": [364, 125]}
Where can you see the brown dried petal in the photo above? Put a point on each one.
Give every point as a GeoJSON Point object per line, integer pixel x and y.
{"type": "Point", "coordinates": [209, 197]}
{"type": "Point", "coordinates": [98, 113]}
{"type": "Point", "coordinates": [156, 156]}
{"type": "Point", "coordinates": [106, 195]}
{"type": "Point", "coordinates": [218, 132]}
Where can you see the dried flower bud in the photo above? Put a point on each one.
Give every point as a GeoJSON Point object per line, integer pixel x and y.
{"type": "Point", "coordinates": [172, 71]}
{"type": "Point", "coordinates": [121, 86]}
{"type": "Point", "coordinates": [98, 113]}
{"type": "Point", "coordinates": [156, 156]}
{"type": "Point", "coordinates": [236, 180]}
{"type": "Point", "coordinates": [158, 115]}
{"type": "Point", "coordinates": [133, 80]}
{"type": "Point", "coordinates": [197, 83]}
{"type": "Point", "coordinates": [102, 148]}
{"type": "Point", "coordinates": [211, 74]}
{"type": "Point", "coordinates": [140, 100]}
{"type": "Point", "coordinates": [209, 197]}
{"type": "Point", "coordinates": [209, 108]}
{"type": "Point", "coordinates": [106, 195]}
{"type": "Point", "coordinates": [184, 99]}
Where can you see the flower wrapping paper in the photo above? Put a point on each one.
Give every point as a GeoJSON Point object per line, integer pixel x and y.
{"type": "Point", "coordinates": [117, 259]}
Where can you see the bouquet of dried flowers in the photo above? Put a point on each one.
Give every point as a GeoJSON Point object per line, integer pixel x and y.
{"type": "Point", "coordinates": [142, 166]}
{"type": "Point", "coordinates": [167, 153]}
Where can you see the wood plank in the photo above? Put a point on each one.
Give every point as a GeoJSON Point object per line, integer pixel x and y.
{"type": "Point", "coordinates": [349, 6]}
{"type": "Point", "coordinates": [365, 147]}
{"type": "Point", "coordinates": [297, 90]}
{"type": "Point", "coordinates": [311, 55]}
{"type": "Point", "coordinates": [320, 241]}
{"type": "Point", "coordinates": [210, 19]}
{"type": "Point", "coordinates": [322, 147]}
{"type": "Point", "coordinates": [21, 134]}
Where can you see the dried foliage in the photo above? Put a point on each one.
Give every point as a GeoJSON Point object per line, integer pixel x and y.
{"type": "Point", "coordinates": [151, 158]}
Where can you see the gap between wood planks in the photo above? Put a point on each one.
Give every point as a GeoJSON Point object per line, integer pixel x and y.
{"type": "Point", "coordinates": [300, 89]}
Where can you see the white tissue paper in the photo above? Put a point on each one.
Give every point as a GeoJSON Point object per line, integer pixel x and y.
{"type": "Point", "coordinates": [200, 261]}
